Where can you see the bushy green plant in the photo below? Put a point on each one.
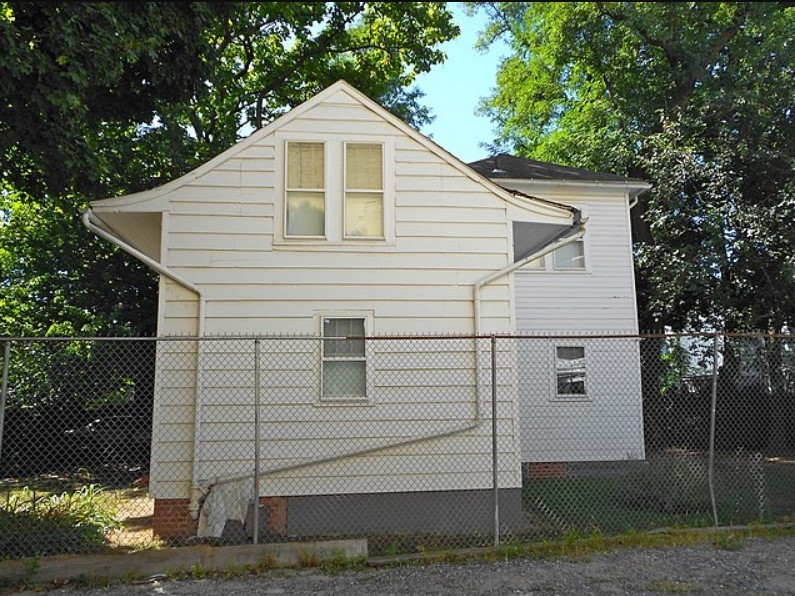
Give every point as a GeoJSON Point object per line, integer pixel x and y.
{"type": "Point", "coordinates": [71, 522]}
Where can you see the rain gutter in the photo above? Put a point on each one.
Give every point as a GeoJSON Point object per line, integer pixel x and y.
{"type": "Point", "coordinates": [96, 226]}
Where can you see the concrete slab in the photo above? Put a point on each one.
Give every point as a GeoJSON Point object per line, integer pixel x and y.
{"type": "Point", "coordinates": [175, 560]}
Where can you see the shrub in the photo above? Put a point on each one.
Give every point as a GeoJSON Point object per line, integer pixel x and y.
{"type": "Point", "coordinates": [75, 522]}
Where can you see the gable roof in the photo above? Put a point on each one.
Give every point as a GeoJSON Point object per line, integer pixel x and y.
{"type": "Point", "coordinates": [510, 167]}
{"type": "Point", "coordinates": [133, 202]}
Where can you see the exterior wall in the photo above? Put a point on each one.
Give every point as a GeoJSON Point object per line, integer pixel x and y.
{"type": "Point", "coordinates": [223, 232]}
{"type": "Point", "coordinates": [608, 424]}
{"type": "Point", "coordinates": [599, 299]}
{"type": "Point", "coordinates": [604, 425]}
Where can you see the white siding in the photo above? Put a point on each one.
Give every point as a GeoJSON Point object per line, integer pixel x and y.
{"type": "Point", "coordinates": [601, 299]}
{"type": "Point", "coordinates": [444, 232]}
{"type": "Point", "coordinates": [606, 425]}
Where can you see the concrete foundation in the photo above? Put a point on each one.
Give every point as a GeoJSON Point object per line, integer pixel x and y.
{"type": "Point", "coordinates": [439, 512]}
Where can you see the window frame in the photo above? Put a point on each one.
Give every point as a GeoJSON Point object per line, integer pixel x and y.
{"type": "Point", "coordinates": [346, 190]}
{"type": "Point", "coordinates": [556, 267]}
{"type": "Point", "coordinates": [286, 189]}
{"type": "Point", "coordinates": [367, 317]}
{"type": "Point", "coordinates": [556, 371]}
{"type": "Point", "coordinates": [333, 240]}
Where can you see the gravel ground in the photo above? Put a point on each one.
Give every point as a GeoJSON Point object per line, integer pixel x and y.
{"type": "Point", "coordinates": [759, 566]}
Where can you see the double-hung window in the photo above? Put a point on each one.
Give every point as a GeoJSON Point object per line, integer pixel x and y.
{"type": "Point", "coordinates": [344, 360]}
{"type": "Point", "coordinates": [306, 190]}
{"type": "Point", "coordinates": [570, 371]}
{"type": "Point", "coordinates": [364, 190]}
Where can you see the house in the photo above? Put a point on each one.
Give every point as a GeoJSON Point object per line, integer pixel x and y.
{"type": "Point", "coordinates": [339, 220]}
{"type": "Point", "coordinates": [586, 287]}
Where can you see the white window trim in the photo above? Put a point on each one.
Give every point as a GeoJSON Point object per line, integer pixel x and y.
{"type": "Point", "coordinates": [369, 318]}
{"type": "Point", "coordinates": [570, 269]}
{"type": "Point", "coordinates": [345, 191]}
{"type": "Point", "coordinates": [285, 189]}
{"type": "Point", "coordinates": [333, 240]}
{"type": "Point", "coordinates": [570, 397]}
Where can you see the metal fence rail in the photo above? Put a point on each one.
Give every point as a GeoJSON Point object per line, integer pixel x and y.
{"type": "Point", "coordinates": [416, 443]}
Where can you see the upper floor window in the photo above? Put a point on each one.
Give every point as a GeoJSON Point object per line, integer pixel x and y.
{"type": "Point", "coordinates": [306, 190]}
{"type": "Point", "coordinates": [570, 256]}
{"type": "Point", "coordinates": [364, 190]}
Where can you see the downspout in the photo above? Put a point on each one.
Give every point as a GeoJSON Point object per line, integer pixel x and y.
{"type": "Point", "coordinates": [95, 227]}
{"type": "Point", "coordinates": [563, 240]}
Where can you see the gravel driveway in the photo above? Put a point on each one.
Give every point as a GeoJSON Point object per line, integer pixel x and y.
{"type": "Point", "coordinates": [760, 566]}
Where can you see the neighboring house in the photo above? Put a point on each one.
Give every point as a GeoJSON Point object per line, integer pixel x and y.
{"type": "Point", "coordinates": [338, 219]}
{"type": "Point", "coordinates": [586, 287]}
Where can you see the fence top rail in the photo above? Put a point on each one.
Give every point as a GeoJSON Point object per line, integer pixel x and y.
{"type": "Point", "coordinates": [404, 337]}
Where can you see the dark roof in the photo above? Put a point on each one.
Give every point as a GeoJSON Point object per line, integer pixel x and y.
{"type": "Point", "coordinates": [508, 166]}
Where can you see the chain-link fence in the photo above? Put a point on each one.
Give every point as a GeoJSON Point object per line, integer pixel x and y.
{"type": "Point", "coordinates": [415, 443]}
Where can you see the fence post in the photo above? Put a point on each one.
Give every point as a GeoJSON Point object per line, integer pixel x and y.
{"type": "Point", "coordinates": [4, 390]}
{"type": "Point", "coordinates": [494, 462]}
{"type": "Point", "coordinates": [711, 471]}
{"type": "Point", "coordinates": [256, 440]}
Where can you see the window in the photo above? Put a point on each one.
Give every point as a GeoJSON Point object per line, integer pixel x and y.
{"type": "Point", "coordinates": [570, 371]}
{"type": "Point", "coordinates": [306, 194]}
{"type": "Point", "coordinates": [539, 263]}
{"type": "Point", "coordinates": [344, 361]}
{"type": "Point", "coordinates": [364, 190]}
{"type": "Point", "coordinates": [570, 256]}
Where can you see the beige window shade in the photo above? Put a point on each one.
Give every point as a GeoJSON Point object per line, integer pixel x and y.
{"type": "Point", "coordinates": [305, 166]}
{"type": "Point", "coordinates": [364, 190]}
{"type": "Point", "coordinates": [364, 167]}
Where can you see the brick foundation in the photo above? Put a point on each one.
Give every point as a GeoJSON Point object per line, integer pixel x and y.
{"type": "Point", "coordinates": [277, 522]}
{"type": "Point", "coordinates": [172, 519]}
{"type": "Point", "coordinates": [554, 469]}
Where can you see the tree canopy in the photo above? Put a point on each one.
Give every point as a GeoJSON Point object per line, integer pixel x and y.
{"type": "Point", "coordinates": [100, 99]}
{"type": "Point", "coordinates": [697, 98]}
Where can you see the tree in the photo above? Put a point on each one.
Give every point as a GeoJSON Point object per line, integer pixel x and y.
{"type": "Point", "coordinates": [101, 99]}
{"type": "Point", "coordinates": [696, 98]}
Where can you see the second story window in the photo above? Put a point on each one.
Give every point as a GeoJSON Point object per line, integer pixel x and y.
{"type": "Point", "coordinates": [571, 256]}
{"type": "Point", "coordinates": [364, 190]}
{"type": "Point", "coordinates": [306, 190]}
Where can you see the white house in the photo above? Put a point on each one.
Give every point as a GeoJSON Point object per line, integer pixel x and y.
{"type": "Point", "coordinates": [584, 288]}
{"type": "Point", "coordinates": [339, 220]}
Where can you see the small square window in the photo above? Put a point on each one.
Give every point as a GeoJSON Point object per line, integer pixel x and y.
{"type": "Point", "coordinates": [570, 256]}
{"type": "Point", "coordinates": [570, 371]}
{"type": "Point", "coordinates": [344, 360]}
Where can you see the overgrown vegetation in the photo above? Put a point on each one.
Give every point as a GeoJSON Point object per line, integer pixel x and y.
{"type": "Point", "coordinates": [696, 98]}
{"type": "Point", "coordinates": [70, 522]}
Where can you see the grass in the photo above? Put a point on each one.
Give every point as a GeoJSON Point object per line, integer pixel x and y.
{"type": "Point", "coordinates": [667, 492]}
{"type": "Point", "coordinates": [563, 505]}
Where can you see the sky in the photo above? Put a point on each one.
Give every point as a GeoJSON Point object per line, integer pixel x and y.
{"type": "Point", "coordinates": [454, 88]}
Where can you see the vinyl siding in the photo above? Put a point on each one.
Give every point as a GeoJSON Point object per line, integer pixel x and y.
{"type": "Point", "coordinates": [444, 232]}
{"type": "Point", "coordinates": [600, 299]}
{"type": "Point", "coordinates": [608, 425]}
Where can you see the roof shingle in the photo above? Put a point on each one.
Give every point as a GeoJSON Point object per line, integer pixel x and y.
{"type": "Point", "coordinates": [508, 166]}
